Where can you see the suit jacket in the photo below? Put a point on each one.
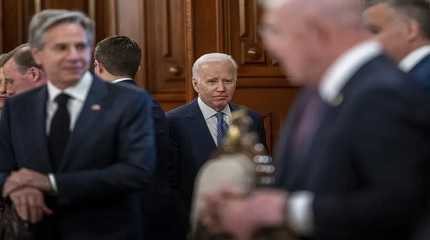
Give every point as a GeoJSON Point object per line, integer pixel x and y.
{"type": "Point", "coordinates": [421, 72]}
{"type": "Point", "coordinates": [164, 172]}
{"type": "Point", "coordinates": [194, 144]}
{"type": "Point", "coordinates": [108, 160]}
{"type": "Point", "coordinates": [158, 197]}
{"type": "Point", "coordinates": [363, 162]}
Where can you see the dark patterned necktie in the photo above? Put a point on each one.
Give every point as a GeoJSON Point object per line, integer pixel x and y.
{"type": "Point", "coordinates": [59, 131]}
{"type": "Point", "coordinates": [221, 127]}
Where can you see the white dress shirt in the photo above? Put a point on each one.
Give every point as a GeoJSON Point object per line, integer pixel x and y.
{"type": "Point", "coordinates": [78, 93]}
{"type": "Point", "coordinates": [120, 80]}
{"type": "Point", "coordinates": [413, 58]}
{"type": "Point", "coordinates": [299, 210]}
{"type": "Point", "coordinates": [209, 115]}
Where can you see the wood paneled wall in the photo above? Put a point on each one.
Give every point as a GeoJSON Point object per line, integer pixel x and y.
{"type": "Point", "coordinates": [172, 34]}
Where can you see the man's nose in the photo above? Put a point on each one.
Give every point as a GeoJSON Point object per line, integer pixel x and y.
{"type": "Point", "coordinates": [220, 86]}
{"type": "Point", "coordinates": [73, 53]}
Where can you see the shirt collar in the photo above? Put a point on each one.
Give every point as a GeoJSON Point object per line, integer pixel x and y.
{"type": "Point", "coordinates": [120, 80]}
{"type": "Point", "coordinates": [338, 74]}
{"type": "Point", "coordinates": [209, 112]}
{"type": "Point", "coordinates": [78, 91]}
{"type": "Point", "coordinates": [413, 58]}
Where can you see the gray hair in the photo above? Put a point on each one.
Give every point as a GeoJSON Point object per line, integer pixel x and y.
{"type": "Point", "coordinates": [44, 20]}
{"type": "Point", "coordinates": [214, 57]}
{"type": "Point", "coordinates": [272, 4]}
{"type": "Point", "coordinates": [3, 57]}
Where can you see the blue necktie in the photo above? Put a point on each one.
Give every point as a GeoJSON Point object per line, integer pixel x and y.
{"type": "Point", "coordinates": [221, 127]}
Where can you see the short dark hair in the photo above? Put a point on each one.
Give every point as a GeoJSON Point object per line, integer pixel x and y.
{"type": "Point", "coordinates": [120, 55]}
{"type": "Point", "coordinates": [418, 10]}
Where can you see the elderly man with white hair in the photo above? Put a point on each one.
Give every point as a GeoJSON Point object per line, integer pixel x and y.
{"type": "Point", "coordinates": [197, 128]}
{"type": "Point", "coordinates": [352, 146]}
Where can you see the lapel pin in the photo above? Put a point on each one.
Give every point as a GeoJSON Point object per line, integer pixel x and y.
{"type": "Point", "coordinates": [337, 100]}
{"type": "Point", "coordinates": [96, 107]}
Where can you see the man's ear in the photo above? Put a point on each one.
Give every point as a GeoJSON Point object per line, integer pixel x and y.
{"type": "Point", "coordinates": [195, 85]}
{"type": "Point", "coordinates": [320, 30]}
{"type": "Point", "coordinates": [413, 30]}
{"type": "Point", "coordinates": [98, 67]}
{"type": "Point", "coordinates": [35, 74]}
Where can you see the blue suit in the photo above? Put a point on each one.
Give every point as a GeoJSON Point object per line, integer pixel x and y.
{"type": "Point", "coordinates": [160, 214]}
{"type": "Point", "coordinates": [108, 160]}
{"type": "Point", "coordinates": [421, 72]}
{"type": "Point", "coordinates": [363, 162]}
{"type": "Point", "coordinates": [194, 144]}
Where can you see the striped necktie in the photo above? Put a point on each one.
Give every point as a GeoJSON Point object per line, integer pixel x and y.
{"type": "Point", "coordinates": [221, 127]}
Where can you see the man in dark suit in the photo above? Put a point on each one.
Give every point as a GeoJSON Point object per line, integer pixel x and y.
{"type": "Point", "coordinates": [193, 127]}
{"type": "Point", "coordinates": [117, 60]}
{"type": "Point", "coordinates": [402, 26]}
{"type": "Point", "coordinates": [351, 151]}
{"type": "Point", "coordinates": [75, 153]}
{"type": "Point", "coordinates": [5, 84]}
{"type": "Point", "coordinates": [20, 73]}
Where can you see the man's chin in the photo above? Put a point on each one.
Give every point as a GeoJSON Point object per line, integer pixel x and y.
{"type": "Point", "coordinates": [220, 105]}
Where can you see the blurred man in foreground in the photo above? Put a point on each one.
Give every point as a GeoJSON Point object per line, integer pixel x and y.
{"type": "Point", "coordinates": [351, 149]}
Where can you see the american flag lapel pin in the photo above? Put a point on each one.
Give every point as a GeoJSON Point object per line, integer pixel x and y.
{"type": "Point", "coordinates": [96, 107]}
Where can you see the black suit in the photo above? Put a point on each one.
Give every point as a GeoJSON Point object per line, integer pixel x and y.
{"type": "Point", "coordinates": [160, 214]}
{"type": "Point", "coordinates": [421, 73]}
{"type": "Point", "coordinates": [108, 160]}
{"type": "Point", "coordinates": [363, 161]}
{"type": "Point", "coordinates": [195, 144]}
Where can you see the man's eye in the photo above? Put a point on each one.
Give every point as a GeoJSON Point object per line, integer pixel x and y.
{"type": "Point", "coordinates": [373, 29]}
{"type": "Point", "coordinates": [81, 46]}
{"type": "Point", "coordinates": [60, 47]}
{"type": "Point", "coordinates": [9, 80]}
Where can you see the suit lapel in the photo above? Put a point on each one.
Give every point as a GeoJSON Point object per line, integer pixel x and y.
{"type": "Point", "coordinates": [91, 110]}
{"type": "Point", "coordinates": [38, 137]}
{"type": "Point", "coordinates": [321, 137]}
{"type": "Point", "coordinates": [200, 135]}
{"type": "Point", "coordinates": [421, 72]}
{"type": "Point", "coordinates": [291, 164]}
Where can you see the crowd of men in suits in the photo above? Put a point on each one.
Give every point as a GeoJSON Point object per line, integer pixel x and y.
{"type": "Point", "coordinates": [90, 155]}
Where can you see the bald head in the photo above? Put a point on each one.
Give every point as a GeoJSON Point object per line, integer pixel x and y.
{"type": "Point", "coordinates": [303, 33]}
{"type": "Point", "coordinates": [340, 12]}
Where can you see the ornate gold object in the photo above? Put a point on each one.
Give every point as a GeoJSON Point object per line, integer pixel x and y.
{"type": "Point", "coordinates": [240, 162]}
